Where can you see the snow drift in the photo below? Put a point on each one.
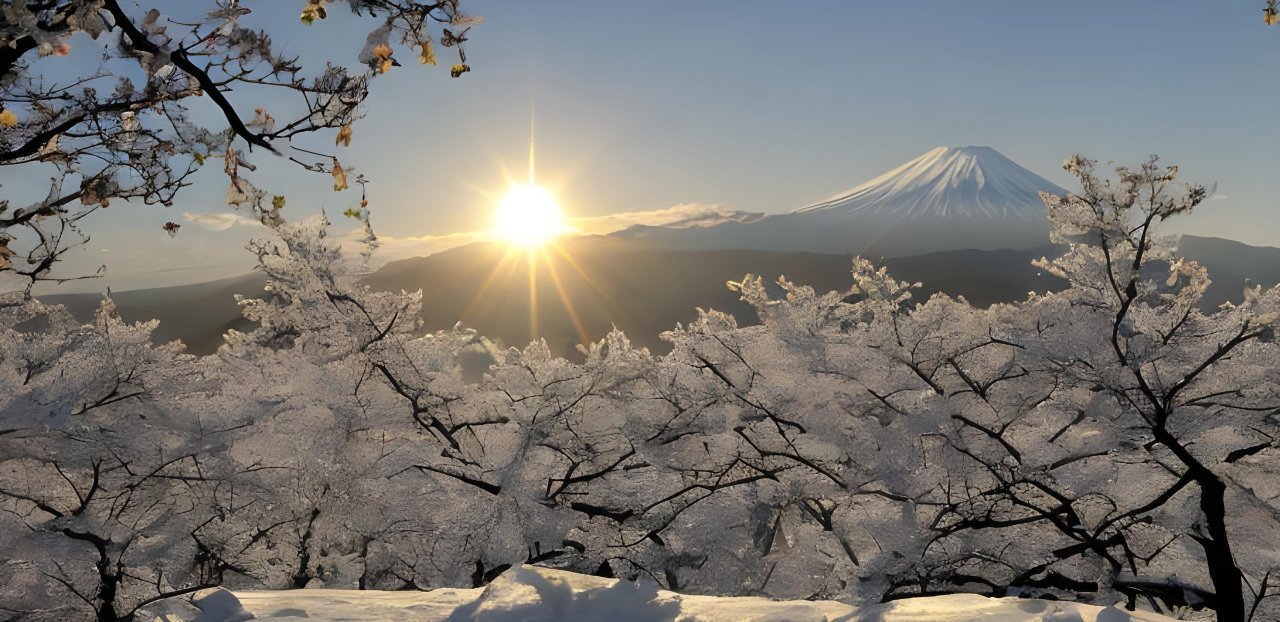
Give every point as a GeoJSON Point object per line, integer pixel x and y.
{"type": "Point", "coordinates": [531, 594]}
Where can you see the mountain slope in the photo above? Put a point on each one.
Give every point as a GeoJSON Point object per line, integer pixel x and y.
{"type": "Point", "coordinates": [198, 314]}
{"type": "Point", "coordinates": [1232, 265]}
{"type": "Point", "coordinates": [641, 289]}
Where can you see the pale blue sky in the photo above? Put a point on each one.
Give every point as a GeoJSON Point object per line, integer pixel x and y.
{"type": "Point", "coordinates": [766, 106]}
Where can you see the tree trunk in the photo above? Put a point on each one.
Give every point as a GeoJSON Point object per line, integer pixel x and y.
{"type": "Point", "coordinates": [107, 593]}
{"type": "Point", "coordinates": [1217, 551]}
{"type": "Point", "coordinates": [303, 575]}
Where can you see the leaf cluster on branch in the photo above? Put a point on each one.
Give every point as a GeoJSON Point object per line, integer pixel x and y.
{"type": "Point", "coordinates": [134, 127]}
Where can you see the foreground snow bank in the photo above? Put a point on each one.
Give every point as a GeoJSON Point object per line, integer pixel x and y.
{"type": "Point", "coordinates": [529, 594]}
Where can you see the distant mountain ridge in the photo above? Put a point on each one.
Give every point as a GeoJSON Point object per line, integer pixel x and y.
{"type": "Point", "coordinates": [643, 289]}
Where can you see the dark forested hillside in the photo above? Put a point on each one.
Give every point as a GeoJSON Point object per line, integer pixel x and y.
{"type": "Point", "coordinates": [640, 289]}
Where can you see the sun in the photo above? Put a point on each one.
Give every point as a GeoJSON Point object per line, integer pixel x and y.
{"type": "Point", "coordinates": [528, 216]}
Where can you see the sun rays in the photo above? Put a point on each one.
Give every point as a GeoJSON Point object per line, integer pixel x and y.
{"type": "Point", "coordinates": [549, 265]}
{"type": "Point", "coordinates": [529, 222]}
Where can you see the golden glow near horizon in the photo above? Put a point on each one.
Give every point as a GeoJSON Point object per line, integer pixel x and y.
{"type": "Point", "coordinates": [528, 216]}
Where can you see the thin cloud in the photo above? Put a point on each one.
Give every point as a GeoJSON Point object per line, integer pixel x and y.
{"type": "Point", "coordinates": [681, 216]}
{"type": "Point", "coordinates": [394, 248]}
{"type": "Point", "coordinates": [220, 221]}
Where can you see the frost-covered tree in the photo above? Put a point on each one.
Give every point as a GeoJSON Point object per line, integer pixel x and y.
{"type": "Point", "coordinates": [788, 459]}
{"type": "Point", "coordinates": [1110, 438]}
{"type": "Point", "coordinates": [107, 463]}
{"type": "Point", "coordinates": [1108, 442]}
{"type": "Point", "coordinates": [393, 451]}
{"type": "Point", "coordinates": [128, 129]}
{"type": "Point", "coordinates": [612, 465]}
{"type": "Point", "coordinates": [315, 453]}
{"type": "Point", "coordinates": [1186, 401]}
{"type": "Point", "coordinates": [1125, 433]}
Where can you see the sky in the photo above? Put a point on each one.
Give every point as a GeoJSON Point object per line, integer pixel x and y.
{"type": "Point", "coordinates": [700, 107]}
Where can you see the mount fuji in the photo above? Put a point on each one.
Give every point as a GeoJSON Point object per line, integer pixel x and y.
{"type": "Point", "coordinates": [950, 198]}
{"type": "Point", "coordinates": [954, 183]}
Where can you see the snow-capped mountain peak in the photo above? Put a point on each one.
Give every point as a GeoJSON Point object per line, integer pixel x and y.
{"type": "Point", "coordinates": [947, 182]}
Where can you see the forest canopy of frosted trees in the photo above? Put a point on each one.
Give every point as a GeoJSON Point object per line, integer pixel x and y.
{"type": "Point", "coordinates": [1109, 443]}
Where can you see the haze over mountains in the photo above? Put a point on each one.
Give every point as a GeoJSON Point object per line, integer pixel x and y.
{"type": "Point", "coordinates": [966, 221]}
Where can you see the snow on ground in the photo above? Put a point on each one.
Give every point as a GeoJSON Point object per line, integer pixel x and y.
{"type": "Point", "coordinates": [529, 594]}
